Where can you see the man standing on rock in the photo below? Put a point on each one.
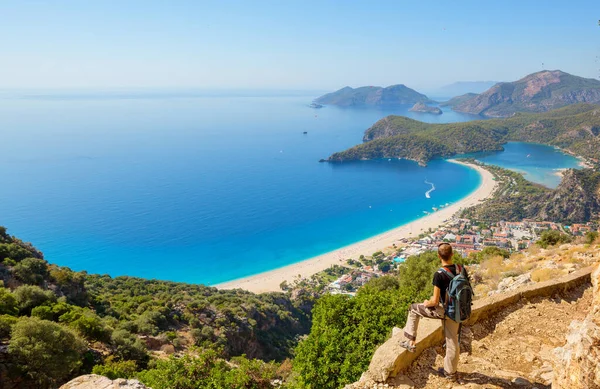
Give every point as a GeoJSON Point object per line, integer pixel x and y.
{"type": "Point", "coordinates": [432, 309]}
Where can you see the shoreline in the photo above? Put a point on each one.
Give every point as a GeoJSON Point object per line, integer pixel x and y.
{"type": "Point", "coordinates": [269, 281]}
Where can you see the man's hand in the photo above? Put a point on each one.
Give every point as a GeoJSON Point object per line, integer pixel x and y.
{"type": "Point", "coordinates": [426, 303]}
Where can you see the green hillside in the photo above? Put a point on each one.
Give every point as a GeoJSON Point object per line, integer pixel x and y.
{"type": "Point", "coordinates": [575, 128]}
{"type": "Point", "coordinates": [372, 95]}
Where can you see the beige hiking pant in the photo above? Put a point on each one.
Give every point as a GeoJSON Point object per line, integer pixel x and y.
{"type": "Point", "coordinates": [416, 312]}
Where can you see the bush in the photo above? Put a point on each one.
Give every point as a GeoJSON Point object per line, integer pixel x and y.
{"type": "Point", "coordinates": [116, 369]}
{"type": "Point", "coordinates": [43, 312]}
{"type": "Point", "coordinates": [31, 271]}
{"type": "Point", "coordinates": [47, 352]}
{"type": "Point", "coordinates": [590, 237]}
{"type": "Point", "coordinates": [6, 323]}
{"type": "Point", "coordinates": [31, 296]}
{"type": "Point", "coordinates": [8, 302]}
{"type": "Point", "coordinates": [87, 323]}
{"type": "Point", "coordinates": [552, 238]}
{"type": "Point", "coordinates": [127, 346]}
{"type": "Point", "coordinates": [207, 370]}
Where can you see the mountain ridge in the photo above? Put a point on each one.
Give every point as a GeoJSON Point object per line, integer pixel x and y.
{"type": "Point", "coordinates": [537, 92]}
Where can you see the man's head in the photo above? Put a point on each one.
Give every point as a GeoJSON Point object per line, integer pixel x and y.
{"type": "Point", "coordinates": [445, 252]}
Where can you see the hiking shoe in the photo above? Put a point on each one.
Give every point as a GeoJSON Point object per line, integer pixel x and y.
{"type": "Point", "coordinates": [450, 377]}
{"type": "Point", "coordinates": [406, 344]}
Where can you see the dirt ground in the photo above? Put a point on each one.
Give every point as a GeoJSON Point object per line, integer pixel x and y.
{"type": "Point", "coordinates": [513, 349]}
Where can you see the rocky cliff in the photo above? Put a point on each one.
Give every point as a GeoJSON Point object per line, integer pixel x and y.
{"type": "Point", "coordinates": [372, 96]}
{"type": "Point", "coordinates": [537, 92]}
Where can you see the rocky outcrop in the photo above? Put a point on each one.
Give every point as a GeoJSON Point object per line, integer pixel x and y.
{"type": "Point", "coordinates": [93, 381]}
{"type": "Point", "coordinates": [576, 199]}
{"type": "Point", "coordinates": [421, 107]}
{"type": "Point", "coordinates": [577, 364]}
{"type": "Point", "coordinates": [537, 92]}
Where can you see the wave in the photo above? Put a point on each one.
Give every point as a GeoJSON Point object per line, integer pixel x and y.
{"type": "Point", "coordinates": [430, 190]}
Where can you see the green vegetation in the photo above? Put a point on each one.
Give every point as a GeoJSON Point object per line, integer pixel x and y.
{"type": "Point", "coordinates": [552, 238]}
{"type": "Point", "coordinates": [50, 316]}
{"type": "Point", "coordinates": [346, 331]}
{"type": "Point", "coordinates": [372, 95]}
{"type": "Point", "coordinates": [575, 128]}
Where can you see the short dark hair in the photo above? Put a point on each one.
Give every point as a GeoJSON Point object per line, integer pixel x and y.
{"type": "Point", "coordinates": [445, 251]}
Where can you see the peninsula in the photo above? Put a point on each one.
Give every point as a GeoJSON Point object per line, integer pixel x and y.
{"type": "Point", "coordinates": [575, 128]}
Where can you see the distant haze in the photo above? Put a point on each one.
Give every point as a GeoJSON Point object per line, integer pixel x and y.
{"type": "Point", "coordinates": [461, 88]}
{"type": "Point", "coordinates": [306, 44]}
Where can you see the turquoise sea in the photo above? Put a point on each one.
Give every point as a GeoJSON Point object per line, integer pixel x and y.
{"type": "Point", "coordinates": [202, 187]}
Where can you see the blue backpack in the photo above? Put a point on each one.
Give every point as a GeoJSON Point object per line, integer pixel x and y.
{"type": "Point", "coordinates": [459, 295]}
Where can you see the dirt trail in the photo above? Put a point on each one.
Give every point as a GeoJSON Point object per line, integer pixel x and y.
{"type": "Point", "coordinates": [510, 350]}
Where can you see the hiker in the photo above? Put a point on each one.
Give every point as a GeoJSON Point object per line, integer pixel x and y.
{"type": "Point", "coordinates": [437, 307]}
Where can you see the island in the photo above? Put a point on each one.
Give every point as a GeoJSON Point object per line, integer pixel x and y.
{"type": "Point", "coordinates": [373, 96]}
{"type": "Point", "coordinates": [421, 107]}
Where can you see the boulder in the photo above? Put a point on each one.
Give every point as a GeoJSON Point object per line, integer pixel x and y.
{"type": "Point", "coordinates": [577, 363]}
{"type": "Point", "coordinates": [94, 381]}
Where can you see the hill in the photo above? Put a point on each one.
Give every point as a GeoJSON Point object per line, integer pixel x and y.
{"type": "Point", "coordinates": [372, 96]}
{"type": "Point", "coordinates": [575, 128]}
{"type": "Point", "coordinates": [537, 92]}
{"type": "Point", "coordinates": [458, 100]}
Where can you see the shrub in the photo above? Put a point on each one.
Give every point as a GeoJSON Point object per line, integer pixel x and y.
{"type": "Point", "coordinates": [31, 296]}
{"type": "Point", "coordinates": [8, 302]}
{"type": "Point", "coordinates": [6, 323]}
{"type": "Point", "coordinates": [552, 238]}
{"type": "Point", "coordinates": [127, 346]}
{"type": "Point", "coordinates": [116, 369]}
{"type": "Point", "coordinates": [87, 323]}
{"type": "Point", "coordinates": [47, 352]}
{"type": "Point", "coordinates": [590, 237]}
{"type": "Point", "coordinates": [31, 270]}
{"type": "Point", "coordinates": [43, 312]}
{"type": "Point", "coordinates": [207, 370]}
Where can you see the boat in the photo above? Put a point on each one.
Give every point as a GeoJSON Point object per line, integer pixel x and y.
{"type": "Point", "coordinates": [305, 132]}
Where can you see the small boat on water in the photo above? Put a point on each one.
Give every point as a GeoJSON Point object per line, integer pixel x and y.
{"type": "Point", "coordinates": [434, 209]}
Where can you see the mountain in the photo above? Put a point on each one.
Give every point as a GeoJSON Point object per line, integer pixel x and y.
{"type": "Point", "coordinates": [458, 100]}
{"type": "Point", "coordinates": [575, 128]}
{"type": "Point", "coordinates": [464, 87]}
{"type": "Point", "coordinates": [372, 95]}
{"type": "Point", "coordinates": [537, 92]}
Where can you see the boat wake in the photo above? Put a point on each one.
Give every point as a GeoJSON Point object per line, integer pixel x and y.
{"type": "Point", "coordinates": [430, 190]}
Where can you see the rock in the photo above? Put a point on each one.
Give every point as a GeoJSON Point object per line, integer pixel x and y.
{"type": "Point", "coordinates": [512, 283]}
{"type": "Point", "coordinates": [519, 381]}
{"type": "Point", "coordinates": [577, 363]}
{"type": "Point", "coordinates": [94, 381]}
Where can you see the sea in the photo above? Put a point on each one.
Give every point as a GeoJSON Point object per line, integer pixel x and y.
{"type": "Point", "coordinates": [211, 186]}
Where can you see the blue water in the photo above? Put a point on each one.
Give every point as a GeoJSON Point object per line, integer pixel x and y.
{"type": "Point", "coordinates": [538, 163]}
{"type": "Point", "coordinates": [201, 188]}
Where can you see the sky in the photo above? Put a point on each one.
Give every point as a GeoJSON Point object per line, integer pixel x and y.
{"type": "Point", "coordinates": [288, 44]}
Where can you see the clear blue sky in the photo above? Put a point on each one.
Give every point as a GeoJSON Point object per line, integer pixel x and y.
{"type": "Point", "coordinates": [291, 44]}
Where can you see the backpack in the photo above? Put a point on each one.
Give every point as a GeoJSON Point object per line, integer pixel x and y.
{"type": "Point", "coordinates": [458, 296]}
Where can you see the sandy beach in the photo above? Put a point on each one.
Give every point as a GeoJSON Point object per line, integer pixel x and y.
{"type": "Point", "coordinates": [269, 281]}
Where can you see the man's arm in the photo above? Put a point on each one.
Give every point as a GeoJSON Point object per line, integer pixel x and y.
{"type": "Point", "coordinates": [434, 300]}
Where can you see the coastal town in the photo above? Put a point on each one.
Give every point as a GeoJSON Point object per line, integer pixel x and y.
{"type": "Point", "coordinates": [467, 237]}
